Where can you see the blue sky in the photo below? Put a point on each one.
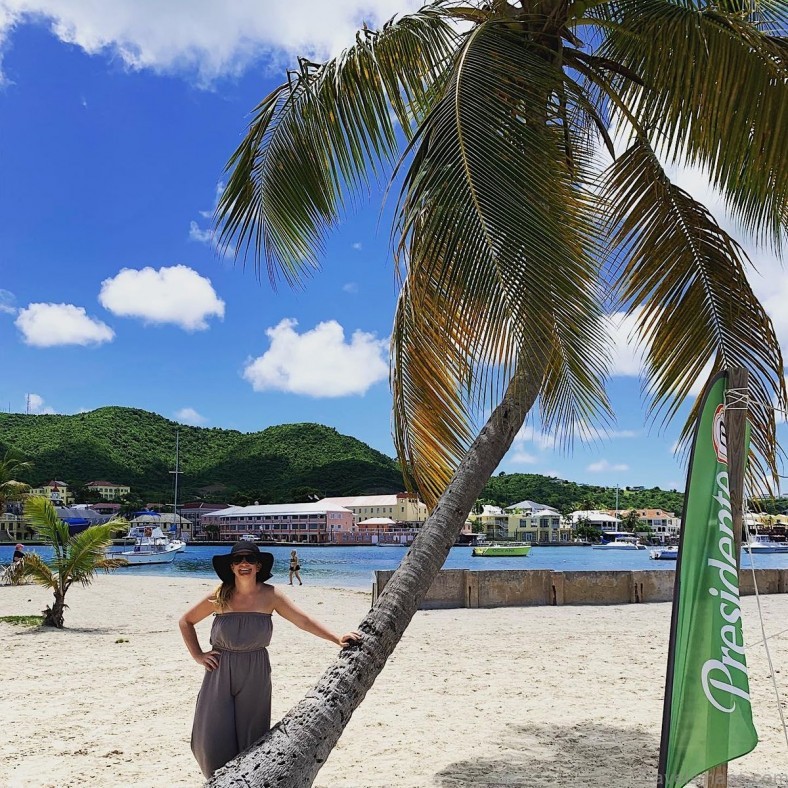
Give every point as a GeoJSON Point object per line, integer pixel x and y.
{"type": "Point", "coordinates": [116, 122]}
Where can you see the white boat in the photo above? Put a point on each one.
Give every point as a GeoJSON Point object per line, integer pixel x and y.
{"type": "Point", "coordinates": [150, 546]}
{"type": "Point", "coordinates": [665, 553]}
{"type": "Point", "coordinates": [763, 544]}
{"type": "Point", "coordinates": [621, 543]}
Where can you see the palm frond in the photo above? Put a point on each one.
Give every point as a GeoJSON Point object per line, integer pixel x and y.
{"type": "Point", "coordinates": [501, 257]}
{"type": "Point", "coordinates": [33, 568]}
{"type": "Point", "coordinates": [684, 277]}
{"type": "Point", "coordinates": [318, 137]}
{"type": "Point", "coordinates": [86, 553]}
{"type": "Point", "coordinates": [713, 92]}
{"type": "Point", "coordinates": [42, 517]}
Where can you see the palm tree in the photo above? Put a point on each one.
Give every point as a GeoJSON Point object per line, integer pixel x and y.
{"type": "Point", "coordinates": [631, 521]}
{"type": "Point", "coordinates": [11, 466]}
{"type": "Point", "coordinates": [76, 558]}
{"type": "Point", "coordinates": [513, 242]}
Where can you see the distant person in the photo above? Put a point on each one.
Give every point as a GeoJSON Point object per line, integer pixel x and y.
{"type": "Point", "coordinates": [19, 553]}
{"type": "Point", "coordinates": [234, 704]}
{"type": "Point", "coordinates": [295, 568]}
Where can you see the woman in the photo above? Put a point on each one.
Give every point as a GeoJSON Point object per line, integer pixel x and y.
{"type": "Point", "coordinates": [19, 553]}
{"type": "Point", "coordinates": [234, 704]}
{"type": "Point", "coordinates": [295, 568]}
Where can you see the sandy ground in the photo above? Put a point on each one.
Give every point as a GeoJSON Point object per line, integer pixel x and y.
{"type": "Point", "coordinates": [532, 697]}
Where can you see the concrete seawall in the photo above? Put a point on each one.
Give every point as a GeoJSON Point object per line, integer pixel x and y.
{"type": "Point", "coordinates": [526, 587]}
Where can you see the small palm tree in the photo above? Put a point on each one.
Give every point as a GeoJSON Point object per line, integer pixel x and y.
{"type": "Point", "coordinates": [76, 558]}
{"type": "Point", "coordinates": [631, 521]}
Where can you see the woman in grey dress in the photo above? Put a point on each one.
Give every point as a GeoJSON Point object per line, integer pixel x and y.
{"type": "Point", "coordinates": [234, 704]}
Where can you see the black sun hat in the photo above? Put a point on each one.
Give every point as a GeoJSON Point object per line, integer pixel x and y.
{"type": "Point", "coordinates": [221, 563]}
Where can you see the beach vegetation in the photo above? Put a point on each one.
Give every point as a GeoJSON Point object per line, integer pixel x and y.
{"type": "Point", "coordinates": [23, 621]}
{"type": "Point", "coordinates": [76, 557]}
{"type": "Point", "coordinates": [13, 466]}
{"type": "Point", "coordinates": [515, 243]}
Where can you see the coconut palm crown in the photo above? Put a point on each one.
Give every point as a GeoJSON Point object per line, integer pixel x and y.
{"type": "Point", "coordinates": [514, 239]}
{"type": "Point", "coordinates": [76, 558]}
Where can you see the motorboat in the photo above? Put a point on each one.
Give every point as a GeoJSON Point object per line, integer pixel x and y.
{"type": "Point", "coordinates": [150, 546]}
{"type": "Point", "coordinates": [506, 550]}
{"type": "Point", "coordinates": [760, 543]}
{"type": "Point", "coordinates": [621, 543]}
{"type": "Point", "coordinates": [670, 553]}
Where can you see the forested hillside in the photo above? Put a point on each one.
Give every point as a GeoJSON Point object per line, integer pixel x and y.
{"type": "Point", "coordinates": [135, 447]}
{"type": "Point", "coordinates": [506, 489]}
{"type": "Point", "coordinates": [284, 463]}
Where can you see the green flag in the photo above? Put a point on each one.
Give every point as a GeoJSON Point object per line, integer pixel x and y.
{"type": "Point", "coordinates": [707, 717]}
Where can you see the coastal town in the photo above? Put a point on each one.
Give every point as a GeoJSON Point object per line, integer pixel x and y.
{"type": "Point", "coordinates": [390, 519]}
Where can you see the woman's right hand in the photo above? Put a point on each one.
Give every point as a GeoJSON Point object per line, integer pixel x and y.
{"type": "Point", "coordinates": [208, 659]}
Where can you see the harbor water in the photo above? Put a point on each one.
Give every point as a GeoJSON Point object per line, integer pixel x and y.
{"type": "Point", "coordinates": [353, 567]}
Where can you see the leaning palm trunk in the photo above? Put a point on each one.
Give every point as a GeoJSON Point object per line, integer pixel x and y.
{"type": "Point", "coordinates": [292, 752]}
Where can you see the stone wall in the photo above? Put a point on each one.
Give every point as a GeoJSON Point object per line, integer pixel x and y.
{"type": "Point", "coordinates": [526, 587]}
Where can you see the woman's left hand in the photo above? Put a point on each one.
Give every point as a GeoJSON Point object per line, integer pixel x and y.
{"type": "Point", "coordinates": [349, 638]}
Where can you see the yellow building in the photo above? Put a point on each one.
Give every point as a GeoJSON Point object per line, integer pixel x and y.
{"type": "Point", "coordinates": [56, 491]}
{"type": "Point", "coordinates": [109, 491]}
{"type": "Point", "coordinates": [403, 508]}
{"type": "Point", "coordinates": [544, 525]}
{"type": "Point", "coordinates": [14, 528]}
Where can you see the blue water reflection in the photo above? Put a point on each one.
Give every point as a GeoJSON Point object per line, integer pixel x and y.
{"type": "Point", "coordinates": [352, 567]}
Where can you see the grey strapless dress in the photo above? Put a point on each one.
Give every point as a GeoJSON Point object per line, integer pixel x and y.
{"type": "Point", "coordinates": [234, 704]}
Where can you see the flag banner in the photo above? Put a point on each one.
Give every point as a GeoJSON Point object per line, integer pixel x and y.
{"type": "Point", "coordinates": [707, 717]}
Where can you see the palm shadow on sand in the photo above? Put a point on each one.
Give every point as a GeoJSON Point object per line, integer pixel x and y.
{"type": "Point", "coordinates": [580, 755]}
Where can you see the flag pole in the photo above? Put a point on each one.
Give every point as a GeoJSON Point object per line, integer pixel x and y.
{"type": "Point", "coordinates": [735, 426]}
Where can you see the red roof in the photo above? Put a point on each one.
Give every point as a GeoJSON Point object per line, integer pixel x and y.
{"type": "Point", "coordinates": [105, 484]}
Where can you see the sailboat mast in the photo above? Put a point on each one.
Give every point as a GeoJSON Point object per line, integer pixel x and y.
{"type": "Point", "coordinates": [176, 472]}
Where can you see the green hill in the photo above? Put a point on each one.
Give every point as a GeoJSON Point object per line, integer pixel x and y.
{"type": "Point", "coordinates": [283, 463]}
{"type": "Point", "coordinates": [135, 447]}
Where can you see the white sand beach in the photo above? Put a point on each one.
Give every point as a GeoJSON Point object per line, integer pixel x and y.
{"type": "Point", "coordinates": [568, 696]}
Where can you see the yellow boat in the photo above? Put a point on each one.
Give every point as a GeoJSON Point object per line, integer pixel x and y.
{"type": "Point", "coordinates": [511, 549]}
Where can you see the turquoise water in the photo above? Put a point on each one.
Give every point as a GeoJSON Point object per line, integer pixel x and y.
{"type": "Point", "coordinates": [353, 567]}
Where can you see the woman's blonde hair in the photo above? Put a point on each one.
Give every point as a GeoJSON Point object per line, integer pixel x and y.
{"type": "Point", "coordinates": [223, 594]}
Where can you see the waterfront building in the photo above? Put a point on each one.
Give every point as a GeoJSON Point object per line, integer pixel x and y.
{"type": "Point", "coordinates": [310, 523]}
{"type": "Point", "coordinates": [529, 507]}
{"type": "Point", "coordinates": [539, 526]}
{"type": "Point", "coordinates": [194, 512]}
{"type": "Point", "coordinates": [665, 526]}
{"type": "Point", "coordinates": [596, 518]}
{"type": "Point", "coordinates": [167, 521]}
{"type": "Point", "coordinates": [109, 491]}
{"type": "Point", "coordinates": [103, 507]}
{"type": "Point", "coordinates": [405, 509]}
{"type": "Point", "coordinates": [56, 491]}
{"type": "Point", "coordinates": [13, 528]}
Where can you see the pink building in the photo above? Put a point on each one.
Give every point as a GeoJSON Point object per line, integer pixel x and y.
{"type": "Point", "coordinates": [310, 523]}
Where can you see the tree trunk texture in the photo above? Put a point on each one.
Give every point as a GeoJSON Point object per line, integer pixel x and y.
{"type": "Point", "coordinates": [53, 616]}
{"type": "Point", "coordinates": [293, 751]}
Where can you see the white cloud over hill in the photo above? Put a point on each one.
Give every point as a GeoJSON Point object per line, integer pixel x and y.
{"type": "Point", "coordinates": [50, 325]}
{"type": "Point", "coordinates": [176, 295]}
{"type": "Point", "coordinates": [318, 363]}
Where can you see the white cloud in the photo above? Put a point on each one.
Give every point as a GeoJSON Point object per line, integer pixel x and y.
{"type": "Point", "coordinates": [190, 416]}
{"type": "Point", "coordinates": [627, 355]}
{"type": "Point", "coordinates": [202, 37]}
{"type": "Point", "coordinates": [177, 295]}
{"type": "Point", "coordinates": [34, 403]}
{"type": "Point", "coordinates": [7, 302]}
{"type": "Point", "coordinates": [318, 363]}
{"type": "Point", "coordinates": [200, 235]}
{"type": "Point", "coordinates": [584, 431]}
{"type": "Point", "coordinates": [603, 466]}
{"type": "Point", "coordinates": [50, 325]}
{"type": "Point", "coordinates": [521, 457]}
{"type": "Point", "coordinates": [350, 287]}
{"type": "Point", "coordinates": [358, 246]}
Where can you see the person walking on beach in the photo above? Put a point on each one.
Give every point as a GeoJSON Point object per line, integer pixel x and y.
{"type": "Point", "coordinates": [295, 568]}
{"type": "Point", "coordinates": [234, 704]}
{"type": "Point", "coordinates": [19, 553]}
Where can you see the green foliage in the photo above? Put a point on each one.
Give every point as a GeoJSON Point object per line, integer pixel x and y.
{"type": "Point", "coordinates": [76, 558]}
{"type": "Point", "coordinates": [135, 447]}
{"type": "Point", "coordinates": [567, 496]}
{"type": "Point", "coordinates": [23, 621]}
